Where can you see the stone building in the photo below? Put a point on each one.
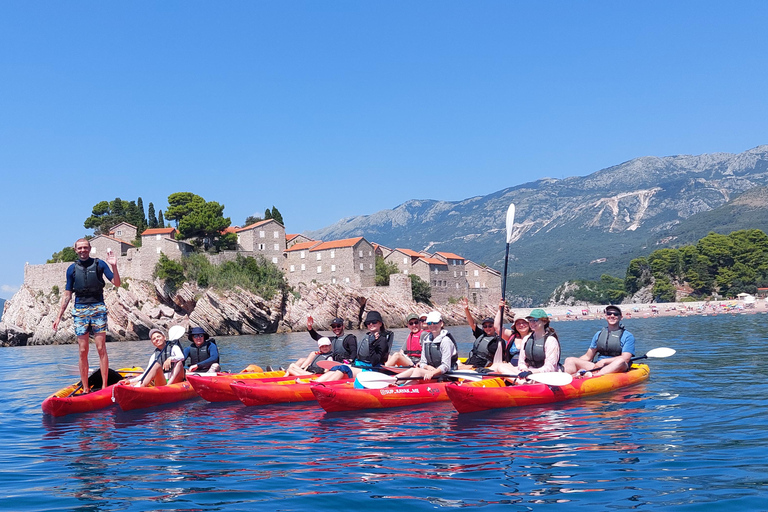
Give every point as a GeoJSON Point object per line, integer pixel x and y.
{"type": "Point", "coordinates": [349, 261]}
{"type": "Point", "coordinates": [404, 259]}
{"type": "Point", "coordinates": [265, 238]}
{"type": "Point", "coordinates": [484, 283]}
{"type": "Point", "coordinates": [100, 244]}
{"type": "Point", "coordinates": [125, 232]}
{"type": "Point", "coordinates": [163, 240]}
{"type": "Point", "coordinates": [295, 239]}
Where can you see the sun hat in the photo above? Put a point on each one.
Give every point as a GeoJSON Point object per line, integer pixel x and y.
{"type": "Point", "coordinates": [538, 313]}
{"type": "Point", "coordinates": [323, 341]}
{"type": "Point", "coordinates": [197, 330]}
{"type": "Point", "coordinates": [433, 317]}
{"type": "Point", "coordinates": [373, 316]}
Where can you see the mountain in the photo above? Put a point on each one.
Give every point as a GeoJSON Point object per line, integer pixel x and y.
{"type": "Point", "coordinates": [2, 307]}
{"type": "Point", "coordinates": [581, 227]}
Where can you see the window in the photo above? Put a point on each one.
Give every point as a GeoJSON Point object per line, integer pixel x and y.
{"type": "Point", "coordinates": [370, 253]}
{"type": "Point", "coordinates": [319, 269]}
{"type": "Point", "coordinates": [435, 270]}
{"type": "Point", "coordinates": [274, 260]}
{"type": "Point", "coordinates": [158, 250]}
{"type": "Point", "coordinates": [262, 234]}
{"type": "Point", "coordinates": [477, 273]}
{"type": "Point", "coordinates": [261, 247]}
{"type": "Point", "coordinates": [93, 250]}
{"type": "Point", "coordinates": [292, 268]}
{"type": "Point", "coordinates": [333, 254]}
{"type": "Point", "coordinates": [361, 254]}
{"type": "Point", "coordinates": [119, 232]}
{"type": "Point", "coordinates": [346, 280]}
{"type": "Point", "coordinates": [238, 239]}
{"type": "Point", "coordinates": [477, 284]}
{"type": "Point", "coordinates": [405, 261]}
{"type": "Point", "coordinates": [277, 235]}
{"type": "Point", "coordinates": [370, 265]}
{"type": "Point", "coordinates": [333, 268]}
{"type": "Point", "coordinates": [158, 236]}
{"type": "Point", "coordinates": [362, 266]}
{"type": "Point", "coordinates": [333, 281]}
{"type": "Point", "coordinates": [454, 274]}
{"type": "Point", "coordinates": [457, 286]}
{"type": "Point", "coordinates": [319, 256]}
{"type": "Point", "coordinates": [303, 267]}
{"type": "Point", "coordinates": [405, 272]}
{"type": "Point", "coordinates": [277, 247]}
{"type": "Point", "coordinates": [301, 255]}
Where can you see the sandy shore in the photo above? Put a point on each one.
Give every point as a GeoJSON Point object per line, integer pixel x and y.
{"type": "Point", "coordinates": [565, 313]}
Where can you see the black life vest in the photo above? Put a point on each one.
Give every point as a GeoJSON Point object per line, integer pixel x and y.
{"type": "Point", "coordinates": [319, 356]}
{"type": "Point", "coordinates": [201, 353]}
{"type": "Point", "coordinates": [609, 342]}
{"type": "Point", "coordinates": [431, 349]}
{"type": "Point", "coordinates": [89, 281]}
{"type": "Point", "coordinates": [535, 356]}
{"type": "Point", "coordinates": [165, 353]}
{"type": "Point", "coordinates": [364, 351]}
{"type": "Point", "coordinates": [481, 355]}
{"type": "Point", "coordinates": [337, 348]}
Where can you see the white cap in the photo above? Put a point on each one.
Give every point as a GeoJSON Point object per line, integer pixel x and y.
{"type": "Point", "coordinates": [323, 341]}
{"type": "Point", "coordinates": [434, 317]}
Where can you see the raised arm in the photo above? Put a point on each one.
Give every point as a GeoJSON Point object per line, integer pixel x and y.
{"type": "Point", "coordinates": [470, 320]}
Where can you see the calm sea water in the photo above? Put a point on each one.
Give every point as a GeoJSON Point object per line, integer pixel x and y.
{"type": "Point", "coordinates": [693, 437]}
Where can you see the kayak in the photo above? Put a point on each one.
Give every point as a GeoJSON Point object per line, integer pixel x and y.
{"type": "Point", "coordinates": [349, 398]}
{"type": "Point", "coordinates": [495, 394]}
{"type": "Point", "coordinates": [215, 388]}
{"type": "Point", "coordinates": [286, 390]}
{"type": "Point", "coordinates": [129, 397]}
{"type": "Point", "coordinates": [71, 399]}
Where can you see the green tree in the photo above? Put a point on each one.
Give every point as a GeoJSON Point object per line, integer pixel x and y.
{"type": "Point", "coordinates": [152, 218]}
{"type": "Point", "coordinates": [277, 216]}
{"type": "Point", "coordinates": [181, 204]}
{"type": "Point", "coordinates": [107, 214]}
{"type": "Point", "coordinates": [160, 221]}
{"type": "Point", "coordinates": [205, 224]}
{"type": "Point", "coordinates": [172, 272]}
{"type": "Point", "coordinates": [66, 254]}
{"type": "Point", "coordinates": [421, 290]}
{"type": "Point", "coordinates": [638, 275]}
{"type": "Point", "coordinates": [252, 219]}
{"type": "Point", "coordinates": [267, 214]}
{"type": "Point", "coordinates": [384, 270]}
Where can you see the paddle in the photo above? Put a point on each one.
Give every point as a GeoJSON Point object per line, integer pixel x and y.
{"type": "Point", "coordinates": [376, 380]}
{"type": "Point", "coordinates": [510, 222]}
{"type": "Point", "coordinates": [548, 378]}
{"type": "Point", "coordinates": [655, 353]}
{"type": "Point", "coordinates": [328, 364]}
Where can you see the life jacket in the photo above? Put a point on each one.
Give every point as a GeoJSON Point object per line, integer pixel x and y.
{"type": "Point", "coordinates": [319, 356]}
{"type": "Point", "coordinates": [364, 352]}
{"type": "Point", "coordinates": [609, 342]}
{"type": "Point", "coordinates": [413, 346]}
{"type": "Point", "coordinates": [480, 355]}
{"type": "Point", "coordinates": [89, 281]}
{"type": "Point", "coordinates": [432, 353]}
{"type": "Point", "coordinates": [337, 348]}
{"type": "Point", "coordinates": [201, 353]}
{"type": "Point", "coordinates": [535, 357]}
{"type": "Point", "coordinates": [165, 353]}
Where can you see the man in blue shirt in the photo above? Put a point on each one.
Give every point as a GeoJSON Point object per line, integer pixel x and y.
{"type": "Point", "coordinates": [614, 344]}
{"type": "Point", "coordinates": [85, 278]}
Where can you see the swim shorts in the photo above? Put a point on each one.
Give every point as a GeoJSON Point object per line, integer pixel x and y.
{"type": "Point", "coordinates": [343, 368]}
{"type": "Point", "coordinates": [90, 317]}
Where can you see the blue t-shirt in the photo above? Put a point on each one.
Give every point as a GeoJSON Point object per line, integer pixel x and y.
{"type": "Point", "coordinates": [106, 271]}
{"type": "Point", "coordinates": [627, 342]}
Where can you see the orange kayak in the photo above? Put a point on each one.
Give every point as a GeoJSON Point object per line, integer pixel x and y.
{"type": "Point", "coordinates": [71, 400]}
{"type": "Point", "coordinates": [130, 397]}
{"type": "Point", "coordinates": [349, 398]}
{"type": "Point", "coordinates": [285, 390]}
{"type": "Point", "coordinates": [215, 388]}
{"type": "Point", "coordinates": [495, 394]}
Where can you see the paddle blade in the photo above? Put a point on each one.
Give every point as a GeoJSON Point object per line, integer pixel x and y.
{"type": "Point", "coordinates": [374, 380]}
{"type": "Point", "coordinates": [510, 221]}
{"type": "Point", "coordinates": [661, 352]}
{"type": "Point", "coordinates": [470, 375]}
{"type": "Point", "coordinates": [552, 378]}
{"type": "Point", "coordinates": [176, 332]}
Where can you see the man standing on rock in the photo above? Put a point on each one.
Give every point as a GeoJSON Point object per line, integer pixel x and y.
{"type": "Point", "coordinates": [85, 278]}
{"type": "Point", "coordinates": [344, 347]}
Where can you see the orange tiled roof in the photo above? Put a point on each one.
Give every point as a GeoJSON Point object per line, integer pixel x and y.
{"type": "Point", "coordinates": [408, 252]}
{"type": "Point", "coordinates": [336, 244]}
{"type": "Point", "coordinates": [434, 261]}
{"type": "Point", "coordinates": [303, 246]}
{"type": "Point", "coordinates": [288, 238]}
{"type": "Point", "coordinates": [113, 238]}
{"type": "Point", "coordinates": [450, 255]}
{"type": "Point", "coordinates": [158, 231]}
{"type": "Point", "coordinates": [230, 229]}
{"type": "Point", "coordinates": [254, 225]}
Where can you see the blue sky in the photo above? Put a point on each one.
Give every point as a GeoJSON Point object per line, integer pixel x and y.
{"type": "Point", "coordinates": [333, 109]}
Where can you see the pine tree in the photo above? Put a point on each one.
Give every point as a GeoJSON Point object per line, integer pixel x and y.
{"type": "Point", "coordinates": [142, 215]}
{"type": "Point", "coordinates": [277, 216]}
{"type": "Point", "coordinates": [267, 214]}
{"type": "Point", "coordinates": [152, 218]}
{"type": "Point", "coordinates": [160, 221]}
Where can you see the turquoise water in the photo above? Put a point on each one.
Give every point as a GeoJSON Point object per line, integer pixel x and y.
{"type": "Point", "coordinates": [693, 437]}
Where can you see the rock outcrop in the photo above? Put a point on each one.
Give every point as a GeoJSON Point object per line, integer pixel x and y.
{"type": "Point", "coordinates": [29, 316]}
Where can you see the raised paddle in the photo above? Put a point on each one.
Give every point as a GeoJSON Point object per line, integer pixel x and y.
{"type": "Point", "coordinates": [510, 223]}
{"type": "Point", "coordinates": [548, 378]}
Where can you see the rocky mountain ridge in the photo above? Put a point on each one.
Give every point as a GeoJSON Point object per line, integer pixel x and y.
{"type": "Point", "coordinates": [577, 227]}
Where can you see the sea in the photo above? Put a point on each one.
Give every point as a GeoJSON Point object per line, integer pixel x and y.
{"type": "Point", "coordinates": [692, 437]}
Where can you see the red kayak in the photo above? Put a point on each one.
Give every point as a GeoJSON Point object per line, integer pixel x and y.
{"type": "Point", "coordinates": [285, 390]}
{"type": "Point", "coordinates": [495, 394]}
{"type": "Point", "coordinates": [349, 398]}
{"type": "Point", "coordinates": [130, 397]}
{"type": "Point", "coordinates": [215, 388]}
{"type": "Point", "coordinates": [71, 400]}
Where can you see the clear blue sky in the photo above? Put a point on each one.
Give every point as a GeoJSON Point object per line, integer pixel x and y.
{"type": "Point", "coordinates": [334, 109]}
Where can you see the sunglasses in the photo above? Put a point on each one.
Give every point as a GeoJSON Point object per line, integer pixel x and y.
{"type": "Point", "coordinates": [432, 323]}
{"type": "Point", "coordinates": [415, 322]}
{"type": "Point", "coordinates": [372, 323]}
{"type": "Point", "coordinates": [612, 313]}
{"type": "Point", "coordinates": [487, 326]}
{"type": "Point", "coordinates": [534, 320]}
{"type": "Point", "coordinates": [336, 326]}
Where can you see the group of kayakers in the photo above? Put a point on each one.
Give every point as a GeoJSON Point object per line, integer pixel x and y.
{"type": "Point", "coordinates": [531, 345]}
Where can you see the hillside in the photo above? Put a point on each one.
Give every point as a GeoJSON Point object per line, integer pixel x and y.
{"type": "Point", "coordinates": [564, 227]}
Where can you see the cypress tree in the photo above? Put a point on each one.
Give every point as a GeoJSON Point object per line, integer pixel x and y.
{"type": "Point", "coordinates": [152, 218]}
{"type": "Point", "coordinates": [160, 221]}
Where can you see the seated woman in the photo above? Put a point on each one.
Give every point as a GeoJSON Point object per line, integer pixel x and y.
{"type": "Point", "coordinates": [410, 353]}
{"type": "Point", "coordinates": [372, 350]}
{"type": "Point", "coordinates": [166, 364]}
{"type": "Point", "coordinates": [203, 354]}
{"type": "Point", "coordinates": [308, 365]}
{"type": "Point", "coordinates": [505, 360]}
{"type": "Point", "coordinates": [541, 351]}
{"type": "Point", "coordinates": [438, 352]}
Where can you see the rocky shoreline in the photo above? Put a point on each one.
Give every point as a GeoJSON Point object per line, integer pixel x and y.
{"type": "Point", "coordinates": [28, 316]}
